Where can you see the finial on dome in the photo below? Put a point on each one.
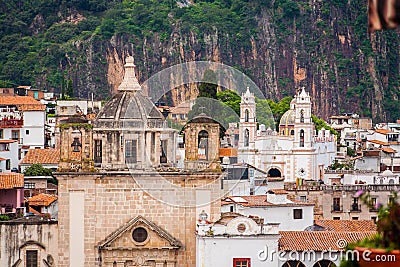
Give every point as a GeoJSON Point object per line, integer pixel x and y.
{"type": "Point", "coordinates": [130, 82]}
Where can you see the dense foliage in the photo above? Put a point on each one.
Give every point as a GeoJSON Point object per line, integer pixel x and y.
{"type": "Point", "coordinates": [37, 170]}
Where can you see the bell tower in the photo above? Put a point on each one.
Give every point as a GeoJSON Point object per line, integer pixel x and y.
{"type": "Point", "coordinates": [202, 143]}
{"type": "Point", "coordinates": [247, 128]}
{"type": "Point", "coordinates": [304, 127]}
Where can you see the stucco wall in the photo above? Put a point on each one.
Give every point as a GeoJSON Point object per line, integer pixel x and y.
{"type": "Point", "coordinates": [16, 238]}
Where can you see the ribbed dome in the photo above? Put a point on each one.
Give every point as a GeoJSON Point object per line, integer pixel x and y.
{"type": "Point", "coordinates": [129, 108]}
{"type": "Point", "coordinates": [288, 118]}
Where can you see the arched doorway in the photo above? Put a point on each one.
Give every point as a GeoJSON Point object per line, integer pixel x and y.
{"type": "Point", "coordinates": [274, 172]}
{"type": "Point", "coordinates": [324, 263]}
{"type": "Point", "coordinates": [293, 263]}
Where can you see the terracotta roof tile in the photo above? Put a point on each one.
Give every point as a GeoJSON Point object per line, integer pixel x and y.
{"type": "Point", "coordinates": [318, 240]}
{"type": "Point", "coordinates": [11, 180]}
{"type": "Point", "coordinates": [278, 191]}
{"type": "Point", "coordinates": [42, 156]}
{"type": "Point", "coordinates": [42, 200]}
{"type": "Point", "coordinates": [7, 141]}
{"type": "Point", "coordinates": [23, 103]}
{"type": "Point", "coordinates": [388, 150]}
{"type": "Point", "coordinates": [261, 201]}
{"type": "Point", "coordinates": [383, 131]}
{"type": "Point", "coordinates": [347, 225]}
{"type": "Point", "coordinates": [378, 142]}
{"type": "Point", "coordinates": [228, 152]}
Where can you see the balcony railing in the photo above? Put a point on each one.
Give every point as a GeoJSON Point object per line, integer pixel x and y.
{"type": "Point", "coordinates": [351, 188]}
{"type": "Point", "coordinates": [337, 208]}
{"type": "Point", "coordinates": [355, 207]}
{"type": "Point", "coordinates": [11, 123]}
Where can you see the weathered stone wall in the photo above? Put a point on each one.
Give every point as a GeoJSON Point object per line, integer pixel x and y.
{"type": "Point", "coordinates": [18, 237]}
{"type": "Point", "coordinates": [111, 199]}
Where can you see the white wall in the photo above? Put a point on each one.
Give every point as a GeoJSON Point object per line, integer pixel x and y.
{"type": "Point", "coordinates": [220, 251]}
{"type": "Point", "coordinates": [12, 154]}
{"type": "Point", "coordinates": [278, 214]}
{"type": "Point", "coordinates": [34, 121]}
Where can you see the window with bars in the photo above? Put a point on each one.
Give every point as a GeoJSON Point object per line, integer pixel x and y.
{"type": "Point", "coordinates": [130, 151]}
{"type": "Point", "coordinates": [31, 258]}
{"type": "Point", "coordinates": [241, 262]}
{"type": "Point", "coordinates": [98, 151]}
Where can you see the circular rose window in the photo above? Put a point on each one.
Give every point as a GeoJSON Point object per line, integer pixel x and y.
{"type": "Point", "coordinates": [139, 235]}
{"type": "Point", "coordinates": [241, 228]}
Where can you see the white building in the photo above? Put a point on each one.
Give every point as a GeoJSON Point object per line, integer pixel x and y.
{"type": "Point", "coordinates": [22, 118]}
{"type": "Point", "coordinates": [274, 207]}
{"type": "Point", "coordinates": [8, 155]}
{"type": "Point", "coordinates": [295, 152]}
{"type": "Point", "coordinates": [235, 240]}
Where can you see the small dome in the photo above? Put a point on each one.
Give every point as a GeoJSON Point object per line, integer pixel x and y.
{"type": "Point", "coordinates": [387, 172]}
{"type": "Point", "coordinates": [288, 118]}
{"type": "Point", "coordinates": [129, 108]}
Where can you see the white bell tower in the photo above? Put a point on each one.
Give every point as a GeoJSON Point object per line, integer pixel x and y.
{"type": "Point", "coordinates": [247, 128]}
{"type": "Point", "coordinates": [304, 127]}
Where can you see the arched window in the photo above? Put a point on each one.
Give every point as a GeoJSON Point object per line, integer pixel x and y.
{"type": "Point", "coordinates": [202, 151]}
{"type": "Point", "coordinates": [246, 137]}
{"type": "Point", "coordinates": [291, 132]}
{"type": "Point", "coordinates": [302, 116]}
{"type": "Point", "coordinates": [246, 115]}
{"type": "Point", "coordinates": [293, 263]}
{"type": "Point", "coordinates": [301, 138]}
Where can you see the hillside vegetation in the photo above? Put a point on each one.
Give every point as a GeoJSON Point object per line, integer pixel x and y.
{"type": "Point", "coordinates": [281, 45]}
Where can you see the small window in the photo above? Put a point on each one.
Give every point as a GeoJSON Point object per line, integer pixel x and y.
{"type": "Point", "coordinates": [8, 164]}
{"type": "Point", "coordinates": [374, 218]}
{"type": "Point", "coordinates": [354, 218]}
{"type": "Point", "coordinates": [98, 151]}
{"type": "Point", "coordinates": [130, 151]}
{"type": "Point", "coordinates": [27, 132]}
{"type": "Point", "coordinates": [1, 133]}
{"type": "Point", "coordinates": [231, 208]}
{"type": "Point", "coordinates": [297, 214]}
{"type": "Point", "coordinates": [241, 262]}
{"type": "Point", "coordinates": [31, 258]}
{"type": "Point", "coordinates": [303, 198]}
{"type": "Point", "coordinates": [29, 185]}
{"type": "Point", "coordinates": [336, 218]}
{"type": "Point", "coordinates": [139, 234]}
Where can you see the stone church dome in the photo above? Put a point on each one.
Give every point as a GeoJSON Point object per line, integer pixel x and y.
{"type": "Point", "coordinates": [129, 107]}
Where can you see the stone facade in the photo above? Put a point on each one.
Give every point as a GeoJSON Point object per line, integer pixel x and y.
{"type": "Point", "coordinates": [338, 201]}
{"type": "Point", "coordinates": [110, 200]}
{"type": "Point", "coordinates": [132, 185]}
{"type": "Point", "coordinates": [17, 238]}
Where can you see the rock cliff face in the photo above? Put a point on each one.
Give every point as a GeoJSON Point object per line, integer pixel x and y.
{"type": "Point", "coordinates": [322, 45]}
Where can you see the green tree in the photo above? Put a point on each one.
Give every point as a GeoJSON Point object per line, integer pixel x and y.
{"type": "Point", "coordinates": [231, 99]}
{"type": "Point", "coordinates": [208, 89]}
{"type": "Point", "coordinates": [37, 170]}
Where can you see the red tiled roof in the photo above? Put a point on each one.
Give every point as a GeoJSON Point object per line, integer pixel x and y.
{"type": "Point", "coordinates": [347, 225]}
{"type": "Point", "coordinates": [319, 240]}
{"type": "Point", "coordinates": [7, 141]}
{"type": "Point", "coordinates": [228, 152]}
{"type": "Point", "coordinates": [42, 156]}
{"type": "Point", "coordinates": [23, 103]}
{"type": "Point", "coordinates": [261, 201]}
{"type": "Point", "coordinates": [11, 180]}
{"type": "Point", "coordinates": [1, 159]}
{"type": "Point", "coordinates": [42, 200]}
{"type": "Point", "coordinates": [278, 191]}
{"type": "Point", "coordinates": [388, 150]}
{"type": "Point", "coordinates": [378, 142]}
{"type": "Point", "coordinates": [383, 131]}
